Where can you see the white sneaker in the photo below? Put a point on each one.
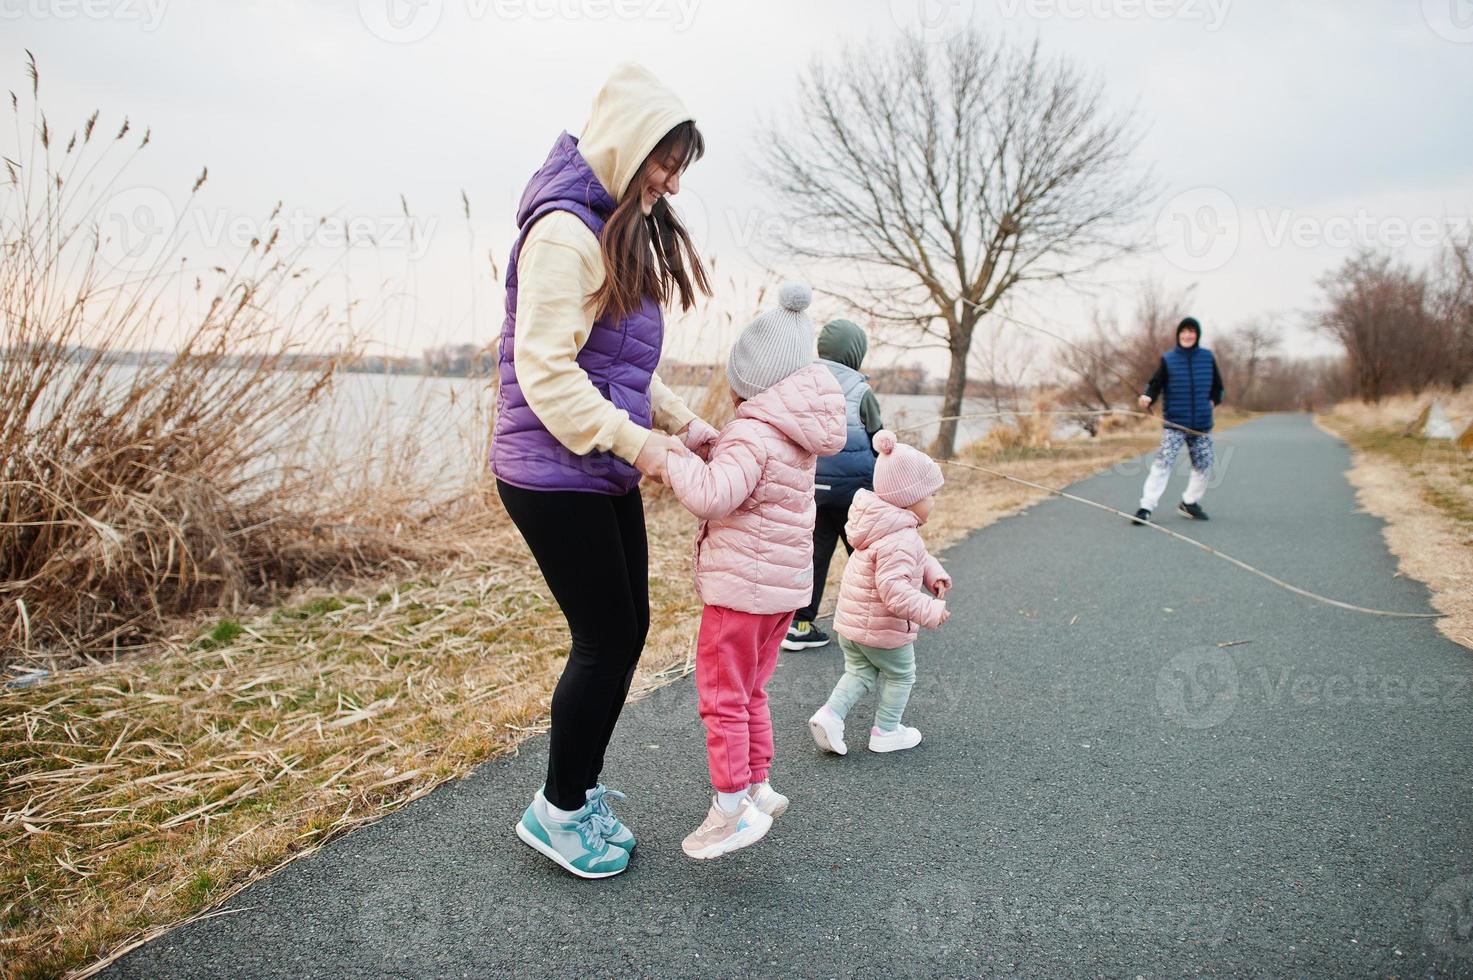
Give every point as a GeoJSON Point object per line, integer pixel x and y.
{"type": "Point", "coordinates": [721, 833]}
{"type": "Point", "coordinates": [767, 799]}
{"type": "Point", "coordinates": [828, 731]}
{"type": "Point", "coordinates": [902, 737]}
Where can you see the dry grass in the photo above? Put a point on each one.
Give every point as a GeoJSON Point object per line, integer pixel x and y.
{"type": "Point", "coordinates": [1423, 489]}
{"type": "Point", "coordinates": [142, 792]}
{"type": "Point", "coordinates": [134, 492]}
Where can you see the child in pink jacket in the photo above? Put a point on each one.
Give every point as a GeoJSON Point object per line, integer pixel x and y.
{"type": "Point", "coordinates": [754, 555]}
{"type": "Point", "coordinates": [892, 587]}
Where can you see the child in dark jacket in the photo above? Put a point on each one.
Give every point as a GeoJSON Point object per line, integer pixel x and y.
{"type": "Point", "coordinates": [1191, 384]}
{"type": "Point", "coordinates": [841, 348]}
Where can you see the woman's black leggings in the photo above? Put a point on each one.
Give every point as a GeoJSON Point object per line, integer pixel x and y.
{"type": "Point", "coordinates": [593, 553]}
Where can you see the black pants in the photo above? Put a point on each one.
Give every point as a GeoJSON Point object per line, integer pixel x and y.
{"type": "Point", "coordinates": [828, 530]}
{"type": "Point", "coordinates": [592, 551]}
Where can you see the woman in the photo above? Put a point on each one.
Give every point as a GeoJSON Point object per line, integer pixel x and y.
{"type": "Point", "coordinates": [599, 251]}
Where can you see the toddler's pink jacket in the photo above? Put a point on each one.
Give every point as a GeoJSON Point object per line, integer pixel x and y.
{"type": "Point", "coordinates": [754, 550]}
{"type": "Point", "coordinates": [885, 596]}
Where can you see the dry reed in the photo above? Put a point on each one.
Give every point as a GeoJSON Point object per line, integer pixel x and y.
{"type": "Point", "coordinates": [138, 488]}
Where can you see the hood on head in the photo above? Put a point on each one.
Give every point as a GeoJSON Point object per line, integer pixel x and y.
{"type": "Point", "coordinates": [807, 406]}
{"type": "Point", "coordinates": [631, 114]}
{"type": "Point", "coordinates": [871, 519]}
{"type": "Point", "coordinates": [1190, 323]}
{"type": "Point", "coordinates": [843, 342]}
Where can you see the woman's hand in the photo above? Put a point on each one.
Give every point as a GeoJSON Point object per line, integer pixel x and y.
{"type": "Point", "coordinates": [651, 458]}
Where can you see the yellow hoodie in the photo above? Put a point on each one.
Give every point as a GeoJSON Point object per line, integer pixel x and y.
{"type": "Point", "coordinates": [560, 268]}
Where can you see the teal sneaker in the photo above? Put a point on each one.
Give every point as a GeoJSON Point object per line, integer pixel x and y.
{"type": "Point", "coordinates": [613, 828]}
{"type": "Point", "coordinates": [578, 845]}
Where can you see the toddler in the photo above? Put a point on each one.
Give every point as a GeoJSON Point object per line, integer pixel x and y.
{"type": "Point", "coordinates": [891, 587]}
{"type": "Point", "coordinates": [754, 555]}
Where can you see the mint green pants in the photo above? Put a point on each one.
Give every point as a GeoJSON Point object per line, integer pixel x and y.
{"type": "Point", "coordinates": [895, 670]}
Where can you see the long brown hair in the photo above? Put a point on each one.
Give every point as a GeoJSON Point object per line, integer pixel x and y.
{"type": "Point", "coordinates": [651, 255]}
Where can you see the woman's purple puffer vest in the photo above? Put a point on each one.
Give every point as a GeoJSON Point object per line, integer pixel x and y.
{"type": "Point", "coordinates": [619, 357]}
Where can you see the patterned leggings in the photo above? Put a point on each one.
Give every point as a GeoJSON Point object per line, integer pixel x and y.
{"type": "Point", "coordinates": [1200, 450]}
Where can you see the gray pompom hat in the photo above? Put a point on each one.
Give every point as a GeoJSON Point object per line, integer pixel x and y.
{"type": "Point", "coordinates": [773, 346]}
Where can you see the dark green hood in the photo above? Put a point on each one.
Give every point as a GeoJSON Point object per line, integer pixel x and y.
{"type": "Point", "coordinates": [843, 342]}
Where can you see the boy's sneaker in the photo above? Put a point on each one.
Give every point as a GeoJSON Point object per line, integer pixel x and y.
{"type": "Point", "coordinates": [828, 731]}
{"type": "Point", "coordinates": [805, 636]}
{"type": "Point", "coordinates": [1142, 516]}
{"type": "Point", "coordinates": [1194, 511]}
{"type": "Point", "coordinates": [613, 828]}
{"type": "Point", "coordinates": [903, 737]}
{"type": "Point", "coordinates": [767, 799]}
{"type": "Point", "coordinates": [721, 833]}
{"type": "Point", "coordinates": [577, 845]}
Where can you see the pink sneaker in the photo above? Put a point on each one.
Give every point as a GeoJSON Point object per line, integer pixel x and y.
{"type": "Point", "coordinates": [721, 833]}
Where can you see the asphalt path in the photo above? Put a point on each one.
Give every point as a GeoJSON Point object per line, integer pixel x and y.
{"type": "Point", "coordinates": [1138, 761]}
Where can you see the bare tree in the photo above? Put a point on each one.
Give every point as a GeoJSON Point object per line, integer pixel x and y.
{"type": "Point", "coordinates": [1382, 314]}
{"type": "Point", "coordinates": [1003, 358]}
{"type": "Point", "coordinates": [1111, 366]}
{"type": "Point", "coordinates": [1245, 354]}
{"type": "Point", "coordinates": [932, 181]}
{"type": "Point", "coordinates": [1453, 302]}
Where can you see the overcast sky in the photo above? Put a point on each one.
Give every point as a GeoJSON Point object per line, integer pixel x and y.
{"type": "Point", "coordinates": [1283, 134]}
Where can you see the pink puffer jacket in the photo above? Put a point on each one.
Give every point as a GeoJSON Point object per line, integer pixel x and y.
{"type": "Point", "coordinates": [886, 594]}
{"type": "Point", "coordinates": [754, 551]}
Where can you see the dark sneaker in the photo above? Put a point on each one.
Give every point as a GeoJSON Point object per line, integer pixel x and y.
{"type": "Point", "coordinates": [1141, 516]}
{"type": "Point", "coordinates": [1194, 511]}
{"type": "Point", "coordinates": [804, 636]}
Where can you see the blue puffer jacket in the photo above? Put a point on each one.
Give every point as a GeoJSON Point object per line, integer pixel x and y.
{"type": "Point", "coordinates": [1187, 400]}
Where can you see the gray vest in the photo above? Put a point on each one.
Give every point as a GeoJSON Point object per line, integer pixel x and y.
{"type": "Point", "coordinates": [852, 468]}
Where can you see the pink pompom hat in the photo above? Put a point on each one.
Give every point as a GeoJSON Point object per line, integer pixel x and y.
{"type": "Point", "coordinates": [903, 474]}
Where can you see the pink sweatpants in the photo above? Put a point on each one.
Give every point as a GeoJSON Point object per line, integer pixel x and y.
{"type": "Point", "coordinates": [736, 654]}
